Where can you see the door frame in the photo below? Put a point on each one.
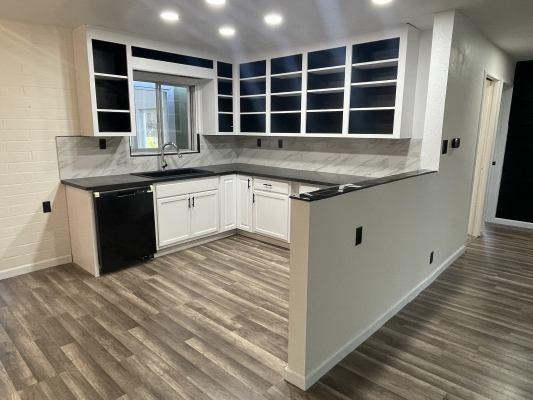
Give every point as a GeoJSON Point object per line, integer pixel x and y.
{"type": "Point", "coordinates": [486, 138]}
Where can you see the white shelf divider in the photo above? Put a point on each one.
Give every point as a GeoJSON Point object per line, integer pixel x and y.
{"type": "Point", "coordinates": [287, 94]}
{"type": "Point", "coordinates": [327, 70]}
{"type": "Point", "coordinates": [111, 110]}
{"type": "Point", "coordinates": [110, 76]}
{"type": "Point", "coordinates": [377, 64]}
{"type": "Point", "coordinates": [372, 109]}
{"type": "Point", "coordinates": [249, 96]}
{"type": "Point", "coordinates": [327, 90]}
{"type": "Point", "coordinates": [389, 82]}
{"type": "Point", "coordinates": [287, 75]}
{"type": "Point", "coordinates": [326, 110]}
{"type": "Point", "coordinates": [253, 78]}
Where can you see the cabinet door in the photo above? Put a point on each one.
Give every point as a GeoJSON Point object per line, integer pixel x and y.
{"type": "Point", "coordinates": [204, 213]}
{"type": "Point", "coordinates": [228, 202]}
{"type": "Point", "coordinates": [244, 203]}
{"type": "Point", "coordinates": [271, 214]}
{"type": "Point", "coordinates": [173, 220]}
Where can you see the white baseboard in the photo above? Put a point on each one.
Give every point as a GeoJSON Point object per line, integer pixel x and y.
{"type": "Point", "coordinates": [194, 243]}
{"type": "Point", "coordinates": [305, 382]}
{"type": "Point", "coordinates": [24, 269]}
{"type": "Point", "coordinates": [264, 238]}
{"type": "Point", "coordinates": [510, 222]}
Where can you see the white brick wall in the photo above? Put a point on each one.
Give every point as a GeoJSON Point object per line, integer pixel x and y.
{"type": "Point", "coordinates": [37, 103]}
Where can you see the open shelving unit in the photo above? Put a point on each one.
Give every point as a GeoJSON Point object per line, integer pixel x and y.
{"type": "Point", "coordinates": [225, 97]}
{"type": "Point", "coordinates": [111, 87]}
{"type": "Point", "coordinates": [373, 89]}
{"type": "Point", "coordinates": [326, 71]}
{"type": "Point", "coordinates": [286, 94]}
{"type": "Point", "coordinates": [358, 90]}
{"type": "Point", "coordinates": [253, 96]}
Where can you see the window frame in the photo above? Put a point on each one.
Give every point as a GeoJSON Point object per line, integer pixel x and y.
{"type": "Point", "coordinates": [193, 93]}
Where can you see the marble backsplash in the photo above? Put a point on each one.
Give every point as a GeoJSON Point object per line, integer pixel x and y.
{"type": "Point", "coordinates": [81, 156]}
{"type": "Point", "coordinates": [364, 157]}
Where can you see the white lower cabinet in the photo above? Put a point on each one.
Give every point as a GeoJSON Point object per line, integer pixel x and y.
{"type": "Point", "coordinates": [271, 214]}
{"type": "Point", "coordinates": [184, 214]}
{"type": "Point", "coordinates": [221, 204]}
{"type": "Point", "coordinates": [173, 222]}
{"type": "Point", "coordinates": [228, 202]}
{"type": "Point", "coordinates": [204, 213]}
{"type": "Point", "coordinates": [244, 203]}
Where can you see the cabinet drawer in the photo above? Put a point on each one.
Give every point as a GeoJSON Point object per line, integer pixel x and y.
{"type": "Point", "coordinates": [269, 185]}
{"type": "Point", "coordinates": [185, 187]}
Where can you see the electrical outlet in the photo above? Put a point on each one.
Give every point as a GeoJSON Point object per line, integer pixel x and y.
{"type": "Point", "coordinates": [102, 144]}
{"type": "Point", "coordinates": [359, 236]}
{"type": "Point", "coordinates": [431, 257]}
{"type": "Point", "coordinates": [47, 207]}
{"type": "Point", "coordinates": [258, 142]}
{"type": "Point", "coordinates": [456, 143]}
{"type": "Point", "coordinates": [280, 143]}
{"type": "Point", "coordinates": [445, 147]}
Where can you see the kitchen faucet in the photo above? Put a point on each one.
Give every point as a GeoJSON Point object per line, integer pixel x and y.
{"type": "Point", "coordinates": [164, 163]}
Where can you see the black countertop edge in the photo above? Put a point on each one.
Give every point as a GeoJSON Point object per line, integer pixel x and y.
{"type": "Point", "coordinates": [340, 190]}
{"type": "Point", "coordinates": [125, 181]}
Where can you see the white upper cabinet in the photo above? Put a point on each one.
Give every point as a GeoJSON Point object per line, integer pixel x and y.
{"type": "Point", "coordinates": [103, 76]}
{"type": "Point", "coordinates": [204, 213]}
{"type": "Point", "coordinates": [244, 203]}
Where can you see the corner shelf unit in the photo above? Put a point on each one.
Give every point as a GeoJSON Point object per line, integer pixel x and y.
{"type": "Point", "coordinates": [225, 99]}
{"type": "Point", "coordinates": [104, 86]}
{"type": "Point", "coordinates": [360, 90]}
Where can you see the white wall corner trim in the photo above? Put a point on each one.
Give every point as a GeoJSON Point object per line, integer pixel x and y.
{"type": "Point", "coordinates": [27, 268]}
{"type": "Point", "coordinates": [305, 382]}
{"type": "Point", "coordinates": [296, 379]}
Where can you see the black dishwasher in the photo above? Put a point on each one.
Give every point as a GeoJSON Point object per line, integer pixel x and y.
{"type": "Point", "coordinates": [125, 227]}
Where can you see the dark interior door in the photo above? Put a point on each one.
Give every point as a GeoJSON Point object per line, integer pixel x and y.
{"type": "Point", "coordinates": [515, 200]}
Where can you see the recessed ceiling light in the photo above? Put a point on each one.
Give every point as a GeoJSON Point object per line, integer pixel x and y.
{"type": "Point", "coordinates": [216, 3]}
{"type": "Point", "coordinates": [227, 31]}
{"type": "Point", "coordinates": [381, 2]}
{"type": "Point", "coordinates": [170, 16]}
{"type": "Point", "coordinates": [273, 19]}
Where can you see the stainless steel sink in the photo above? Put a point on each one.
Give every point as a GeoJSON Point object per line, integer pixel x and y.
{"type": "Point", "coordinates": [171, 173]}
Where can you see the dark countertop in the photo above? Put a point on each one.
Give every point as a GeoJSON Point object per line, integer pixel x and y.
{"type": "Point", "coordinates": [115, 182]}
{"type": "Point", "coordinates": [365, 184]}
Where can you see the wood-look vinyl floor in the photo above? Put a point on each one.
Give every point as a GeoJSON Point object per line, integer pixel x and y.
{"type": "Point", "coordinates": [211, 323]}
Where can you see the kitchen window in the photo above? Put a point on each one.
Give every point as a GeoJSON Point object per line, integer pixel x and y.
{"type": "Point", "coordinates": [164, 112]}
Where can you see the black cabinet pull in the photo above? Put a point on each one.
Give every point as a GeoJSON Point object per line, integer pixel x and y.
{"type": "Point", "coordinates": [193, 201]}
{"type": "Point", "coordinates": [248, 183]}
{"type": "Point", "coordinates": [253, 198]}
{"type": "Point", "coordinates": [189, 202]}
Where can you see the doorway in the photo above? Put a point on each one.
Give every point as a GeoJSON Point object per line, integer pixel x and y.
{"type": "Point", "coordinates": [490, 109]}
